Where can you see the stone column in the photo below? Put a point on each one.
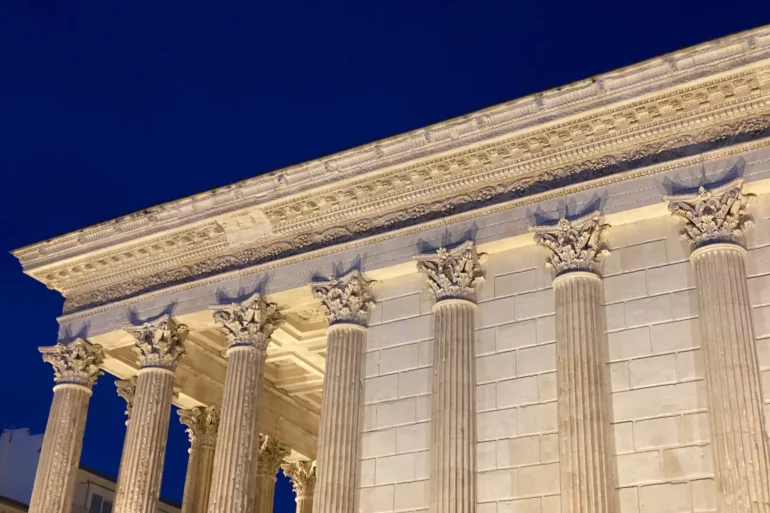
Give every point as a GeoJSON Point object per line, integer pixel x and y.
{"type": "Point", "coordinates": [452, 278]}
{"type": "Point", "coordinates": [347, 302]}
{"type": "Point", "coordinates": [202, 425]}
{"type": "Point", "coordinates": [248, 326]}
{"type": "Point", "coordinates": [302, 475]}
{"type": "Point", "coordinates": [271, 454]}
{"type": "Point", "coordinates": [160, 345]}
{"type": "Point", "coordinates": [75, 367]}
{"type": "Point", "coordinates": [584, 403]}
{"type": "Point", "coordinates": [715, 225]}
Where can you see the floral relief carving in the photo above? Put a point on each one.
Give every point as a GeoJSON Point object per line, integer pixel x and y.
{"type": "Point", "coordinates": [452, 274]}
{"type": "Point", "coordinates": [126, 389]}
{"type": "Point", "coordinates": [713, 215]}
{"type": "Point", "coordinates": [160, 343]}
{"type": "Point", "coordinates": [303, 477]}
{"type": "Point", "coordinates": [271, 454]}
{"type": "Point", "coordinates": [574, 245]}
{"type": "Point", "coordinates": [347, 299]}
{"type": "Point", "coordinates": [249, 323]}
{"type": "Point", "coordinates": [76, 363]}
{"type": "Point", "coordinates": [202, 425]}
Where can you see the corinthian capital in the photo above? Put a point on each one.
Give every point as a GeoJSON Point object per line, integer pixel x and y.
{"type": "Point", "coordinates": [202, 425]}
{"type": "Point", "coordinates": [76, 363]}
{"type": "Point", "coordinates": [302, 475]}
{"type": "Point", "coordinates": [452, 274]}
{"type": "Point", "coordinates": [716, 215]}
{"type": "Point", "coordinates": [347, 299]}
{"type": "Point", "coordinates": [271, 454]}
{"type": "Point", "coordinates": [249, 323]}
{"type": "Point", "coordinates": [127, 390]}
{"type": "Point", "coordinates": [574, 245]}
{"type": "Point", "coordinates": [160, 343]}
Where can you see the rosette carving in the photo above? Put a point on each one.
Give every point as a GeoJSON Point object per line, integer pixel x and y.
{"type": "Point", "coordinates": [574, 245]}
{"type": "Point", "coordinates": [302, 475]}
{"type": "Point", "coordinates": [160, 343]}
{"type": "Point", "coordinates": [347, 299]}
{"type": "Point", "coordinates": [202, 425]}
{"type": "Point", "coordinates": [271, 454]}
{"type": "Point", "coordinates": [715, 215]}
{"type": "Point", "coordinates": [452, 274]}
{"type": "Point", "coordinates": [127, 390]}
{"type": "Point", "coordinates": [76, 363]}
{"type": "Point", "coordinates": [249, 323]}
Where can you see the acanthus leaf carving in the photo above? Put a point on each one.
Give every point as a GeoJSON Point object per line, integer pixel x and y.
{"type": "Point", "coordinates": [574, 245]}
{"type": "Point", "coordinates": [713, 215]}
{"type": "Point", "coordinates": [249, 323]}
{"type": "Point", "coordinates": [75, 363]}
{"type": "Point", "coordinates": [345, 300]}
{"type": "Point", "coordinates": [452, 274]}
{"type": "Point", "coordinates": [271, 454]}
{"type": "Point", "coordinates": [160, 343]}
{"type": "Point", "coordinates": [303, 477]}
{"type": "Point", "coordinates": [126, 389]}
{"type": "Point", "coordinates": [202, 425]}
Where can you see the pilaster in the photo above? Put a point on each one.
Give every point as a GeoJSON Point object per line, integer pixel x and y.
{"type": "Point", "coordinates": [248, 326]}
{"type": "Point", "coordinates": [715, 224]}
{"type": "Point", "coordinates": [160, 346]}
{"type": "Point", "coordinates": [202, 426]}
{"type": "Point", "coordinates": [271, 455]}
{"type": "Point", "coordinates": [452, 278]}
{"type": "Point", "coordinates": [585, 443]}
{"type": "Point", "coordinates": [303, 478]}
{"type": "Point", "coordinates": [347, 302]}
{"type": "Point", "coordinates": [76, 367]}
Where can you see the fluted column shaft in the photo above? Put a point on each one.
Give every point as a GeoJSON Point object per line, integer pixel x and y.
{"type": "Point", "coordinates": [585, 451]}
{"type": "Point", "coordinates": [141, 468]}
{"type": "Point", "coordinates": [197, 484]}
{"type": "Point", "coordinates": [733, 379]}
{"type": "Point", "coordinates": [233, 481]}
{"type": "Point", "coordinates": [265, 494]}
{"type": "Point", "coordinates": [453, 409]}
{"type": "Point", "coordinates": [59, 457]}
{"type": "Point", "coordinates": [339, 437]}
{"type": "Point", "coordinates": [304, 504]}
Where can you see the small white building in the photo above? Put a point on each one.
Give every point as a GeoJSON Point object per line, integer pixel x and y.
{"type": "Point", "coordinates": [19, 453]}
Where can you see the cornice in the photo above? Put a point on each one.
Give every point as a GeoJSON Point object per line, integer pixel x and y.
{"type": "Point", "coordinates": [709, 59]}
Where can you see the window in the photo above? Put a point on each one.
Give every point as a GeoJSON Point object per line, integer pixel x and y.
{"type": "Point", "coordinates": [99, 505]}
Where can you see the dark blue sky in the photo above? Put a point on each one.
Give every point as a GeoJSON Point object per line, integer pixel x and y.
{"type": "Point", "coordinates": [110, 107]}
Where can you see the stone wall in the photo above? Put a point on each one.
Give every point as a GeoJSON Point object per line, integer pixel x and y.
{"type": "Point", "coordinates": [664, 464]}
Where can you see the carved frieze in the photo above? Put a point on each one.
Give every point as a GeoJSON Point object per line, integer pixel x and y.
{"type": "Point", "coordinates": [303, 477]}
{"type": "Point", "coordinates": [126, 389]}
{"type": "Point", "coordinates": [249, 323]}
{"type": "Point", "coordinates": [452, 274]}
{"type": "Point", "coordinates": [713, 215]}
{"type": "Point", "coordinates": [160, 343]}
{"type": "Point", "coordinates": [202, 425]}
{"type": "Point", "coordinates": [345, 300]}
{"type": "Point", "coordinates": [574, 245]}
{"type": "Point", "coordinates": [75, 363]}
{"type": "Point", "coordinates": [271, 455]}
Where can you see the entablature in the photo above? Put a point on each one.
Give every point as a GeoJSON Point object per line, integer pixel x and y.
{"type": "Point", "coordinates": [706, 97]}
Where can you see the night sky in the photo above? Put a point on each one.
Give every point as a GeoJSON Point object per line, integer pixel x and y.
{"type": "Point", "coordinates": [110, 107]}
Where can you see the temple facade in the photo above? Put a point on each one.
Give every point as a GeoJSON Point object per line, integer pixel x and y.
{"type": "Point", "coordinates": [558, 304]}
